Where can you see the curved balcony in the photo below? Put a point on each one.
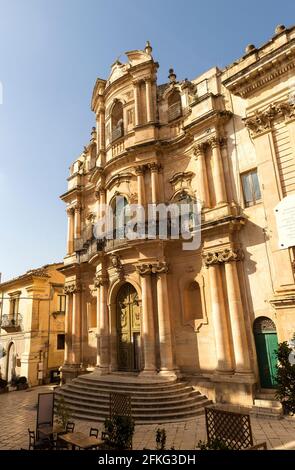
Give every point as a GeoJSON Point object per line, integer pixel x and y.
{"type": "Point", "coordinates": [11, 323]}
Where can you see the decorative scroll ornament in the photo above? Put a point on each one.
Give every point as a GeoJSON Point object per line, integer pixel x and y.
{"type": "Point", "coordinates": [158, 267]}
{"type": "Point", "coordinates": [100, 280]}
{"type": "Point", "coordinates": [261, 121]}
{"type": "Point", "coordinates": [225, 256]}
{"type": "Point", "coordinates": [72, 288]}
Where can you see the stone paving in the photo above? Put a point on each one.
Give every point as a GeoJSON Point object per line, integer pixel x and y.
{"type": "Point", "coordinates": [18, 413]}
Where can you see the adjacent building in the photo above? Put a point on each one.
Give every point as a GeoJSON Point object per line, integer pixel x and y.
{"type": "Point", "coordinates": [32, 336]}
{"type": "Point", "coordinates": [212, 315]}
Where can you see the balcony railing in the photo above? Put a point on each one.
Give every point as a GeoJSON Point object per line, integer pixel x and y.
{"type": "Point", "coordinates": [174, 111]}
{"type": "Point", "coordinates": [11, 322]}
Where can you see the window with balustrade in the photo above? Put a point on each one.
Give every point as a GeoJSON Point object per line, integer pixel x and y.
{"type": "Point", "coordinates": [117, 121]}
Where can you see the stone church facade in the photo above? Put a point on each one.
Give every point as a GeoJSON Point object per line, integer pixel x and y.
{"type": "Point", "coordinates": [147, 307]}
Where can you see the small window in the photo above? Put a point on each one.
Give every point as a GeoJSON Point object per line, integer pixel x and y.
{"type": "Point", "coordinates": [60, 341]}
{"type": "Point", "coordinates": [174, 106]}
{"type": "Point", "coordinates": [251, 189]}
{"type": "Point", "coordinates": [62, 303]}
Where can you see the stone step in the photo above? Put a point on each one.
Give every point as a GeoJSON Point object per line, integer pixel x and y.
{"type": "Point", "coordinates": [90, 383]}
{"type": "Point", "coordinates": [94, 397]}
{"type": "Point", "coordinates": [175, 416]}
{"type": "Point", "coordinates": [267, 407]}
{"type": "Point", "coordinates": [152, 401]}
{"type": "Point", "coordinates": [136, 404]}
{"type": "Point", "coordinates": [151, 393]}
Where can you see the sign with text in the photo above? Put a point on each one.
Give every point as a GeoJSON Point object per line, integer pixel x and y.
{"type": "Point", "coordinates": [285, 218]}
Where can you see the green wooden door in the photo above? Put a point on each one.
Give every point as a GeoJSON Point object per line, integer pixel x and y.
{"type": "Point", "coordinates": [266, 347]}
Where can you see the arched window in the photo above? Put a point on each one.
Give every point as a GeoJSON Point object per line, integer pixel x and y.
{"type": "Point", "coordinates": [117, 121]}
{"type": "Point", "coordinates": [174, 106]}
{"type": "Point", "coordinates": [120, 216]}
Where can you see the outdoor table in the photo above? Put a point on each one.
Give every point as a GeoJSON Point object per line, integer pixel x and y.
{"type": "Point", "coordinates": [78, 439]}
{"type": "Point", "coordinates": [49, 430]}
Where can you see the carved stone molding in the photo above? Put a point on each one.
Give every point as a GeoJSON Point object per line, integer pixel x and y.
{"type": "Point", "coordinates": [184, 176]}
{"type": "Point", "coordinates": [158, 267]}
{"type": "Point", "coordinates": [225, 256]}
{"type": "Point", "coordinates": [118, 179]}
{"type": "Point", "coordinates": [261, 121]}
{"type": "Point", "coordinates": [72, 288]}
{"type": "Point", "coordinates": [100, 280]}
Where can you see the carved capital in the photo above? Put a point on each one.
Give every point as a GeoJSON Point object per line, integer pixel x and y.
{"type": "Point", "coordinates": [70, 211]}
{"type": "Point", "coordinates": [140, 170]}
{"type": "Point", "coordinates": [143, 269]}
{"type": "Point", "coordinates": [159, 267]}
{"type": "Point", "coordinates": [200, 149]}
{"type": "Point", "coordinates": [100, 280]}
{"type": "Point", "coordinates": [261, 121]}
{"type": "Point", "coordinates": [214, 142]}
{"type": "Point", "coordinates": [225, 256]}
{"type": "Point", "coordinates": [154, 167]}
{"type": "Point", "coordinates": [72, 287]}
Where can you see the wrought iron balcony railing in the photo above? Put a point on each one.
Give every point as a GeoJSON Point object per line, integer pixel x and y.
{"type": "Point", "coordinates": [11, 322]}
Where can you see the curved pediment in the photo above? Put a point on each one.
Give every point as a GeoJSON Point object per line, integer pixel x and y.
{"type": "Point", "coordinates": [117, 71]}
{"type": "Point", "coordinates": [137, 57]}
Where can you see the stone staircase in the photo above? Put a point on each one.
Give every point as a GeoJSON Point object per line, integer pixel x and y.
{"type": "Point", "coordinates": [153, 401]}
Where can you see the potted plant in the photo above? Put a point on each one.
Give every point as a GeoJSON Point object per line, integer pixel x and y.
{"type": "Point", "coordinates": [286, 377]}
{"type": "Point", "coordinates": [118, 432]}
{"type": "Point", "coordinates": [3, 386]}
{"type": "Point", "coordinates": [62, 413]}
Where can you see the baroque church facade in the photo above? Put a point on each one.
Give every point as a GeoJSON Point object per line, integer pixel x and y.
{"type": "Point", "coordinates": [147, 307]}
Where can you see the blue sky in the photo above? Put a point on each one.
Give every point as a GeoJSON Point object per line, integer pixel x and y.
{"type": "Point", "coordinates": [50, 55]}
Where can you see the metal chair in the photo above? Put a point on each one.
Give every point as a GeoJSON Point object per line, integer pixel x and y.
{"type": "Point", "coordinates": [41, 444]}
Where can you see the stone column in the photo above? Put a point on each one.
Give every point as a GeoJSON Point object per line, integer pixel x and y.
{"type": "Point", "coordinates": [219, 316]}
{"type": "Point", "coordinates": [154, 167]}
{"type": "Point", "coordinates": [70, 237]}
{"type": "Point", "coordinates": [136, 102]}
{"type": "Point", "coordinates": [147, 326]}
{"type": "Point", "coordinates": [77, 221]}
{"type": "Point", "coordinates": [97, 286]}
{"type": "Point", "coordinates": [165, 333]}
{"type": "Point", "coordinates": [101, 124]}
{"type": "Point", "coordinates": [76, 327]}
{"type": "Point", "coordinates": [149, 100]}
{"type": "Point", "coordinates": [103, 356]}
{"type": "Point", "coordinates": [140, 170]}
{"type": "Point", "coordinates": [200, 152]}
{"type": "Point", "coordinates": [237, 321]}
{"type": "Point", "coordinates": [218, 173]}
{"type": "Point", "coordinates": [68, 326]}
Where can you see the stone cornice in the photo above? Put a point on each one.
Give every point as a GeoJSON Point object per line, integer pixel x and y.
{"type": "Point", "coordinates": [263, 71]}
{"type": "Point", "coordinates": [225, 256]}
{"type": "Point", "coordinates": [261, 121]}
